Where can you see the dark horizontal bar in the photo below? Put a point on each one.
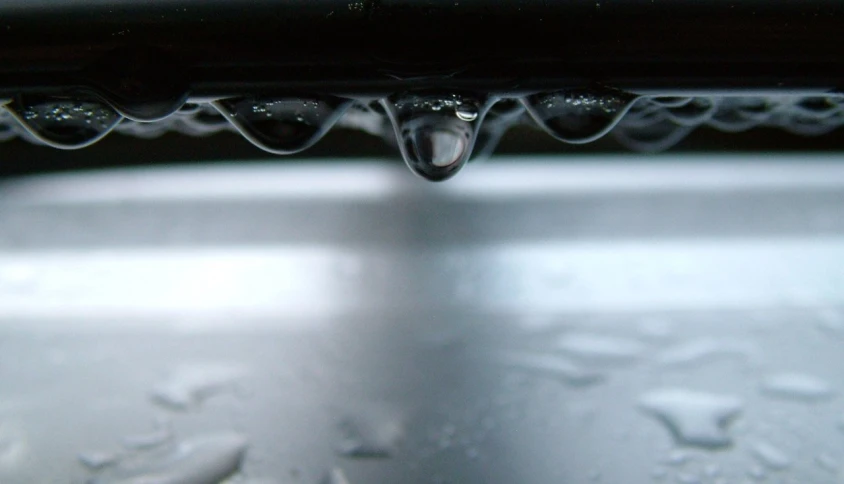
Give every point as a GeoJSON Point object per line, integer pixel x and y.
{"type": "Point", "coordinates": [360, 47]}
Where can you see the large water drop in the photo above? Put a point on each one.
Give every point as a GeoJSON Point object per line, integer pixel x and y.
{"type": "Point", "coordinates": [694, 418]}
{"type": "Point", "coordinates": [283, 125]}
{"type": "Point", "coordinates": [579, 116]}
{"type": "Point", "coordinates": [436, 133]}
{"type": "Point", "coordinates": [63, 123]}
{"type": "Point", "coordinates": [203, 460]}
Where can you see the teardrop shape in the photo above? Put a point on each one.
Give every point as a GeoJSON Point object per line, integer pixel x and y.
{"type": "Point", "coordinates": [64, 123]}
{"type": "Point", "coordinates": [283, 126]}
{"type": "Point", "coordinates": [579, 116]}
{"type": "Point", "coordinates": [436, 133]}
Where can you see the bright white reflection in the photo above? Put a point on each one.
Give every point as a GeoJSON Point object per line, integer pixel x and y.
{"type": "Point", "coordinates": [291, 282]}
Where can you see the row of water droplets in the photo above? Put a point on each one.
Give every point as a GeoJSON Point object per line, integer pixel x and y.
{"type": "Point", "coordinates": [437, 133]}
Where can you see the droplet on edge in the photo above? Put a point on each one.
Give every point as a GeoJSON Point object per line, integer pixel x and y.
{"type": "Point", "coordinates": [436, 132]}
{"type": "Point", "coordinates": [283, 126]}
{"type": "Point", "coordinates": [797, 386]}
{"type": "Point", "coordinates": [203, 460]}
{"type": "Point", "coordinates": [579, 116]}
{"type": "Point", "coordinates": [190, 385]}
{"type": "Point", "coordinates": [695, 419]}
{"type": "Point", "coordinates": [555, 367]}
{"type": "Point", "coordinates": [770, 456]}
{"type": "Point", "coordinates": [599, 348]}
{"type": "Point", "coordinates": [63, 123]}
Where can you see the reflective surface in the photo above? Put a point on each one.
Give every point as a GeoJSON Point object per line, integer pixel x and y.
{"type": "Point", "coordinates": [593, 320]}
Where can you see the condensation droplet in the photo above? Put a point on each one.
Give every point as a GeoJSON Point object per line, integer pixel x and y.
{"type": "Point", "coordinates": [283, 126]}
{"type": "Point", "coordinates": [188, 386]}
{"type": "Point", "coordinates": [62, 123]}
{"type": "Point", "coordinates": [434, 143]}
{"type": "Point", "coordinates": [579, 116]}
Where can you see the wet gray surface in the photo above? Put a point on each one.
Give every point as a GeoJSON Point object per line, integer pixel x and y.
{"type": "Point", "coordinates": [600, 320]}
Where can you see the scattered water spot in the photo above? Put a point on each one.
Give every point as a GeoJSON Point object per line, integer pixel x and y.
{"type": "Point", "coordinates": [796, 386]}
{"type": "Point", "coordinates": [190, 385]}
{"type": "Point", "coordinates": [555, 367]}
{"type": "Point", "coordinates": [757, 473]}
{"type": "Point", "coordinates": [694, 418]}
{"type": "Point", "coordinates": [828, 463]}
{"type": "Point", "coordinates": [712, 470]}
{"type": "Point", "coordinates": [203, 460]}
{"type": "Point", "coordinates": [770, 456]}
{"type": "Point", "coordinates": [13, 445]}
{"type": "Point", "coordinates": [148, 440]}
{"type": "Point", "coordinates": [659, 473]}
{"type": "Point", "coordinates": [366, 438]}
{"type": "Point", "coordinates": [701, 351]}
{"type": "Point", "coordinates": [598, 348]}
{"type": "Point", "coordinates": [335, 476]}
{"type": "Point", "coordinates": [97, 460]}
{"type": "Point", "coordinates": [678, 458]}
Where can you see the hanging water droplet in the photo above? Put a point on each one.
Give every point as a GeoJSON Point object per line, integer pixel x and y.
{"type": "Point", "coordinates": [579, 116]}
{"type": "Point", "coordinates": [797, 386]}
{"type": "Point", "coordinates": [63, 123]}
{"type": "Point", "coordinates": [435, 142]}
{"type": "Point", "coordinates": [203, 460]}
{"type": "Point", "coordinates": [694, 419]}
{"type": "Point", "coordinates": [283, 126]}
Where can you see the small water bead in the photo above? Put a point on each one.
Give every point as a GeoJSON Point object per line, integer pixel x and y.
{"type": "Point", "coordinates": [579, 116]}
{"type": "Point", "coordinates": [283, 126]}
{"type": "Point", "coordinates": [63, 123]}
